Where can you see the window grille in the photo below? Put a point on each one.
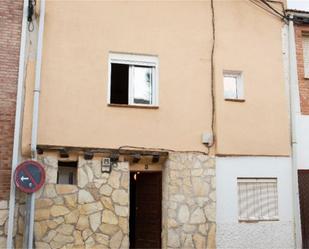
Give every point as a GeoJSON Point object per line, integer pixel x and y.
{"type": "Point", "coordinates": [257, 199]}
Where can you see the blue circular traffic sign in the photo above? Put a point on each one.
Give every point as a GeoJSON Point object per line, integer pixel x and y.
{"type": "Point", "coordinates": [29, 176]}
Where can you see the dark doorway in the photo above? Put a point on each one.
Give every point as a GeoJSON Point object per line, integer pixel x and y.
{"type": "Point", "coordinates": [119, 83]}
{"type": "Point", "coordinates": [303, 183]}
{"type": "Point", "coordinates": [145, 209]}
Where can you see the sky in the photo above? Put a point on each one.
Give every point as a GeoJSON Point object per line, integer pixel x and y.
{"type": "Point", "coordinates": [298, 4]}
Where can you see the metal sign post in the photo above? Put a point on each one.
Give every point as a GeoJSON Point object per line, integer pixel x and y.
{"type": "Point", "coordinates": [29, 178]}
{"type": "Point", "coordinates": [28, 227]}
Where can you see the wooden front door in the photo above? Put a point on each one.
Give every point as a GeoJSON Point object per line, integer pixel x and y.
{"type": "Point", "coordinates": [145, 210]}
{"type": "Point", "coordinates": [303, 184]}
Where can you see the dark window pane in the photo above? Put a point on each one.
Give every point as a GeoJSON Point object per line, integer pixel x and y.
{"type": "Point", "coordinates": [71, 177]}
{"type": "Point", "coordinates": [67, 172]}
{"type": "Point", "coordinates": [119, 84]}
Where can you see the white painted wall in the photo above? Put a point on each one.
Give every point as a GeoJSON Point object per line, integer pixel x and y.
{"type": "Point", "coordinates": [303, 141]}
{"type": "Point", "coordinates": [270, 234]}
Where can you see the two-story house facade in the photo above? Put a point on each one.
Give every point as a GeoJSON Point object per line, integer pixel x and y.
{"type": "Point", "coordinates": [159, 124]}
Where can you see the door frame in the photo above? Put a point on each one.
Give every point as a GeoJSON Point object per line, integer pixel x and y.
{"type": "Point", "coordinates": [149, 169]}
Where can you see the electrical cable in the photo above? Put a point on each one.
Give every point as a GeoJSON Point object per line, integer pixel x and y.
{"type": "Point", "coordinates": [31, 11]}
{"type": "Point", "coordinates": [273, 9]}
{"type": "Point", "coordinates": [30, 26]}
{"type": "Point", "coordinates": [256, 2]}
{"type": "Point", "coordinates": [212, 95]}
{"type": "Point", "coordinates": [212, 68]}
{"type": "Point", "coordinates": [160, 149]}
{"type": "Point", "coordinates": [278, 2]}
{"type": "Point", "coordinates": [122, 150]}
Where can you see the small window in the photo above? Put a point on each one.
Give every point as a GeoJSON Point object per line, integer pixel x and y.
{"type": "Point", "coordinates": [133, 79]}
{"type": "Point", "coordinates": [233, 85]}
{"type": "Point", "coordinates": [67, 172]}
{"type": "Point", "coordinates": [257, 199]}
{"type": "Point", "coordinates": [306, 54]}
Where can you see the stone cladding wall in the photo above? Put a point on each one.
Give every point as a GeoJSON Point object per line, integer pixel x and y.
{"type": "Point", "coordinates": [189, 201]}
{"type": "Point", "coordinates": [4, 215]}
{"type": "Point", "coordinates": [92, 214]}
{"type": "Point", "coordinates": [95, 212]}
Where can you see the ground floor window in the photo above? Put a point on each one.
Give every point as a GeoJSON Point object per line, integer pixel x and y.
{"type": "Point", "coordinates": [257, 199]}
{"type": "Point", "coordinates": [67, 172]}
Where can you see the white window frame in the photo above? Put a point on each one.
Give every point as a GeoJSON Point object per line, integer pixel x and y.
{"type": "Point", "coordinates": [239, 84]}
{"type": "Point", "coordinates": [135, 60]}
{"type": "Point", "coordinates": [258, 180]}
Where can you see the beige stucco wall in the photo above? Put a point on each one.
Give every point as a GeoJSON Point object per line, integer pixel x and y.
{"type": "Point", "coordinates": [79, 35]}
{"type": "Point", "coordinates": [249, 40]}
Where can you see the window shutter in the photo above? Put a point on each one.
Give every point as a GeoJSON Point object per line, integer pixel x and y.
{"type": "Point", "coordinates": [257, 199]}
{"type": "Point", "coordinates": [306, 55]}
{"type": "Point", "coordinates": [242, 201]}
{"type": "Point", "coordinates": [264, 200]}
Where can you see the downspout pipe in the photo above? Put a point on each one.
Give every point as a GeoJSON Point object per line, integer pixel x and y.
{"type": "Point", "coordinates": [35, 114]}
{"type": "Point", "coordinates": [18, 122]}
{"type": "Point", "coordinates": [294, 113]}
{"type": "Point", "coordinates": [37, 86]}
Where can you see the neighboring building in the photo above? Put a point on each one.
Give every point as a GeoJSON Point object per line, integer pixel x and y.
{"type": "Point", "coordinates": [10, 30]}
{"type": "Point", "coordinates": [301, 102]}
{"type": "Point", "coordinates": [126, 122]}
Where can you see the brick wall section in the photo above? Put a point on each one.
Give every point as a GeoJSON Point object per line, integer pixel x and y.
{"type": "Point", "coordinates": [303, 83]}
{"type": "Point", "coordinates": [10, 31]}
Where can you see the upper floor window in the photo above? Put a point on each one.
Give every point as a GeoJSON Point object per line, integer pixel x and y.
{"type": "Point", "coordinates": [233, 85]}
{"type": "Point", "coordinates": [133, 79]}
{"type": "Point", "coordinates": [306, 54]}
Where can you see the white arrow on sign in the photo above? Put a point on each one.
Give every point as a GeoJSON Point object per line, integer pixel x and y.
{"type": "Point", "coordinates": [24, 178]}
